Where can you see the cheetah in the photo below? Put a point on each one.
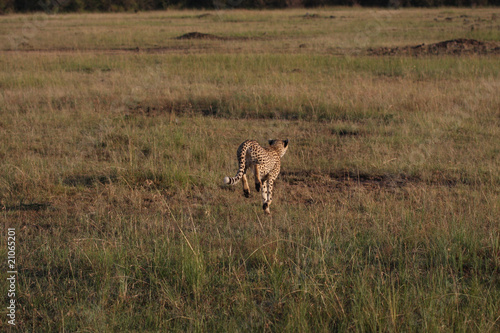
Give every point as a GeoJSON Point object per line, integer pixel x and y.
{"type": "Point", "coordinates": [265, 163]}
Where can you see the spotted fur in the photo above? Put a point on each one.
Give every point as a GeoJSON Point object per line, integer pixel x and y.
{"type": "Point", "coordinates": [265, 163]}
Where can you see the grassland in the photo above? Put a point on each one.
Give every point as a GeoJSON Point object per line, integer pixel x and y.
{"type": "Point", "coordinates": [115, 137]}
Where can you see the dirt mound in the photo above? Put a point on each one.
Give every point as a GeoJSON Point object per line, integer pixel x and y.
{"type": "Point", "coordinates": [459, 46]}
{"type": "Point", "coordinates": [199, 35]}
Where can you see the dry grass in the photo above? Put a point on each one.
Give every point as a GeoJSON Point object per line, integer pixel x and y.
{"type": "Point", "coordinates": [329, 30]}
{"type": "Point", "coordinates": [386, 212]}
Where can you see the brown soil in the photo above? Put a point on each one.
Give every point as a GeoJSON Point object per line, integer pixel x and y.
{"type": "Point", "coordinates": [344, 179]}
{"type": "Point", "coordinates": [459, 46]}
{"type": "Point", "coordinates": [341, 179]}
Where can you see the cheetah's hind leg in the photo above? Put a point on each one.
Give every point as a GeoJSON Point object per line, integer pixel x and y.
{"type": "Point", "coordinates": [246, 189]}
{"type": "Point", "coordinates": [264, 193]}
{"type": "Point", "coordinates": [258, 181]}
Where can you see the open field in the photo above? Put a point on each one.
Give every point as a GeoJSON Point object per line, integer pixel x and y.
{"type": "Point", "coordinates": [115, 137]}
{"type": "Point", "coordinates": [312, 31]}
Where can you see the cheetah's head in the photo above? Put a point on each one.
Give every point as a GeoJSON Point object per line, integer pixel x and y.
{"type": "Point", "coordinates": [280, 145]}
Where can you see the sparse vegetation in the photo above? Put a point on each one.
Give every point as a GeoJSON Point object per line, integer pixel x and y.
{"type": "Point", "coordinates": [113, 148]}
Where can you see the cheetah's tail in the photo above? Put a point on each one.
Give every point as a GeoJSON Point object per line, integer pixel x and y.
{"type": "Point", "coordinates": [241, 153]}
{"type": "Point", "coordinates": [233, 180]}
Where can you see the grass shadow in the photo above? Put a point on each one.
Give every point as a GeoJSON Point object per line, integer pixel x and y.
{"type": "Point", "coordinates": [34, 206]}
{"type": "Point", "coordinates": [88, 180]}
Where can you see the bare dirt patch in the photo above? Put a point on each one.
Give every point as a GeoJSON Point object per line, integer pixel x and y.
{"type": "Point", "coordinates": [304, 186]}
{"type": "Point", "coordinates": [342, 179]}
{"type": "Point", "coordinates": [459, 46]}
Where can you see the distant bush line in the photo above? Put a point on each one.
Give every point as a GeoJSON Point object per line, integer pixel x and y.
{"type": "Point", "coordinates": [10, 6]}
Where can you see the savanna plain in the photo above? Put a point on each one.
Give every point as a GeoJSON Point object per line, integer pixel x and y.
{"type": "Point", "coordinates": [115, 135]}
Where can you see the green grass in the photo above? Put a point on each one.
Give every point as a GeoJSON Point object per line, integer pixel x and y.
{"type": "Point", "coordinates": [385, 215]}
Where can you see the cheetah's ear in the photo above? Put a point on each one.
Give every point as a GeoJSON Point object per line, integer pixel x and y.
{"type": "Point", "coordinates": [286, 142]}
{"type": "Point", "coordinates": [271, 142]}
